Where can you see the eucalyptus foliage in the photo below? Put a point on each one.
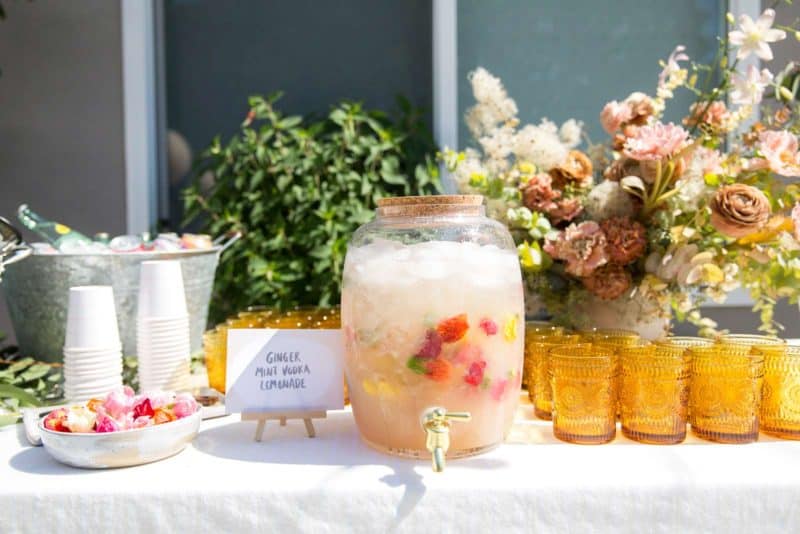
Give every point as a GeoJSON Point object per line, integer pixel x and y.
{"type": "Point", "coordinates": [25, 382]}
{"type": "Point", "coordinates": [297, 189]}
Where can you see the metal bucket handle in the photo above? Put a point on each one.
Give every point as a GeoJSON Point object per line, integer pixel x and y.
{"type": "Point", "coordinates": [225, 241]}
{"type": "Point", "coordinates": [17, 253]}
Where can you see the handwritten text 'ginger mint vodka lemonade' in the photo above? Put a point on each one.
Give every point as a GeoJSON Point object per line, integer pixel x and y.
{"type": "Point", "coordinates": [432, 312]}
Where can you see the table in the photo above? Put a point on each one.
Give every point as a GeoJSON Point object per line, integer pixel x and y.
{"type": "Point", "coordinates": [226, 482]}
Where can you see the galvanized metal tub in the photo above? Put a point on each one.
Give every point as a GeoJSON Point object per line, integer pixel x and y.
{"type": "Point", "coordinates": [37, 289]}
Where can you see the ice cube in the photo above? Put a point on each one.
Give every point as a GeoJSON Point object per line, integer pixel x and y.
{"type": "Point", "coordinates": [83, 247]}
{"type": "Point", "coordinates": [126, 243]}
{"type": "Point", "coordinates": [166, 243]}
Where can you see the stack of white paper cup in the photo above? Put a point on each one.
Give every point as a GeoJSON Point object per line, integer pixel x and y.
{"type": "Point", "coordinates": [92, 349]}
{"type": "Point", "coordinates": [162, 329]}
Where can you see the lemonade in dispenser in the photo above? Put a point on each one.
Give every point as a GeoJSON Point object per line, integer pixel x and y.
{"type": "Point", "coordinates": [433, 321]}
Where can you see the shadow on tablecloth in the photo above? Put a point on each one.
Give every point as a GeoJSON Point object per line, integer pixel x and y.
{"type": "Point", "coordinates": [337, 444]}
{"type": "Point", "coordinates": [36, 461]}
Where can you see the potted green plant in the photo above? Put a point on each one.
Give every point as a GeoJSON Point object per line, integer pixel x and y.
{"type": "Point", "coordinates": [297, 189]}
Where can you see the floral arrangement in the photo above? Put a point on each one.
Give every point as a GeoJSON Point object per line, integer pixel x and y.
{"type": "Point", "coordinates": [122, 410]}
{"type": "Point", "coordinates": [678, 213]}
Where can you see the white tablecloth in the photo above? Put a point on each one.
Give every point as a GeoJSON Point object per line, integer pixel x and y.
{"type": "Point", "coordinates": [225, 483]}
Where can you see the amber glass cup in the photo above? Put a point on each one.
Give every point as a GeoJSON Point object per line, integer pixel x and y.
{"type": "Point", "coordinates": [654, 392]}
{"type": "Point", "coordinates": [215, 351]}
{"type": "Point", "coordinates": [685, 341]}
{"type": "Point", "coordinates": [610, 336]}
{"type": "Point", "coordinates": [780, 402]}
{"type": "Point", "coordinates": [750, 340]}
{"type": "Point", "coordinates": [725, 392]}
{"type": "Point", "coordinates": [539, 391]}
{"type": "Point", "coordinates": [535, 330]}
{"type": "Point", "coordinates": [583, 378]}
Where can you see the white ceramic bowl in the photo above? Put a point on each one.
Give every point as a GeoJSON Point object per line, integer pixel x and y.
{"type": "Point", "coordinates": [123, 448]}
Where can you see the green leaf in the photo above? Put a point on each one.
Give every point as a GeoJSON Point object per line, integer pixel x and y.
{"type": "Point", "coordinates": [19, 366]}
{"type": "Point", "coordinates": [417, 365]}
{"type": "Point", "coordinates": [9, 391]}
{"type": "Point", "coordinates": [36, 371]}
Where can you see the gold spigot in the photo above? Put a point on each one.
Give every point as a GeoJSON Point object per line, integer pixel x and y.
{"type": "Point", "coordinates": [436, 422]}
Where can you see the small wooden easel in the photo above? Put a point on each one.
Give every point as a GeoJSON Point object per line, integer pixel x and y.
{"type": "Point", "coordinates": [263, 417]}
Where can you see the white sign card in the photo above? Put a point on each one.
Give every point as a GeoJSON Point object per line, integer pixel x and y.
{"type": "Point", "coordinates": [284, 370]}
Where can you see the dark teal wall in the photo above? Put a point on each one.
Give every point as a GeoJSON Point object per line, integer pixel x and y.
{"type": "Point", "coordinates": [318, 52]}
{"type": "Point", "coordinates": [564, 59]}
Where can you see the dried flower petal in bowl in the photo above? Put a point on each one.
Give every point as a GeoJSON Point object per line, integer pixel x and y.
{"type": "Point", "coordinates": [121, 430]}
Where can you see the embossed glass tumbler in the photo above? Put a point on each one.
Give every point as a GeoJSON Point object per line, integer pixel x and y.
{"type": "Point", "coordinates": [535, 330]}
{"type": "Point", "coordinates": [583, 380]}
{"type": "Point", "coordinates": [725, 392]}
{"type": "Point", "coordinates": [654, 394]}
{"type": "Point", "coordinates": [780, 405]}
{"type": "Point", "coordinates": [539, 390]}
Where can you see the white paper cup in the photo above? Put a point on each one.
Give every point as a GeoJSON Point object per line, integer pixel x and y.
{"type": "Point", "coordinates": [145, 333]}
{"type": "Point", "coordinates": [89, 354]}
{"type": "Point", "coordinates": [180, 350]}
{"type": "Point", "coordinates": [91, 318]}
{"type": "Point", "coordinates": [99, 357]}
{"type": "Point", "coordinates": [75, 380]}
{"type": "Point", "coordinates": [111, 378]}
{"type": "Point", "coordinates": [73, 367]}
{"type": "Point", "coordinates": [156, 344]}
{"type": "Point", "coordinates": [161, 293]}
{"type": "Point", "coordinates": [173, 330]}
{"type": "Point", "coordinates": [82, 396]}
{"type": "Point", "coordinates": [171, 386]}
{"type": "Point", "coordinates": [158, 322]}
{"type": "Point", "coordinates": [99, 388]}
{"type": "Point", "coordinates": [99, 392]}
{"type": "Point", "coordinates": [165, 369]}
{"type": "Point", "coordinates": [70, 364]}
{"type": "Point", "coordinates": [80, 363]}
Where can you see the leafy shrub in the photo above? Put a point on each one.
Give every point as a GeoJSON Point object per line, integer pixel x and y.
{"type": "Point", "coordinates": [297, 189]}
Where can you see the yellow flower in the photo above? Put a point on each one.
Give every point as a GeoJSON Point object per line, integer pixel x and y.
{"type": "Point", "coordinates": [712, 274]}
{"type": "Point", "coordinates": [369, 387]}
{"type": "Point", "coordinates": [510, 328]}
{"type": "Point", "coordinates": [526, 167]}
{"type": "Point", "coordinates": [771, 230]}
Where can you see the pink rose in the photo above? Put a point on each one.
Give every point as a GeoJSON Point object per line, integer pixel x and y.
{"type": "Point", "coordinates": [185, 405]}
{"type": "Point", "coordinates": [538, 194]}
{"type": "Point", "coordinates": [566, 210]}
{"type": "Point", "coordinates": [119, 402]}
{"type": "Point", "coordinates": [715, 114]}
{"type": "Point", "coordinates": [779, 149]}
{"type": "Point", "coordinates": [658, 141]}
{"type": "Point", "coordinates": [143, 407]}
{"type": "Point", "coordinates": [582, 246]}
{"type": "Point", "coordinates": [105, 423]}
{"type": "Point", "coordinates": [614, 115]}
{"type": "Point", "coordinates": [126, 421]}
{"type": "Point", "coordinates": [159, 399]}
